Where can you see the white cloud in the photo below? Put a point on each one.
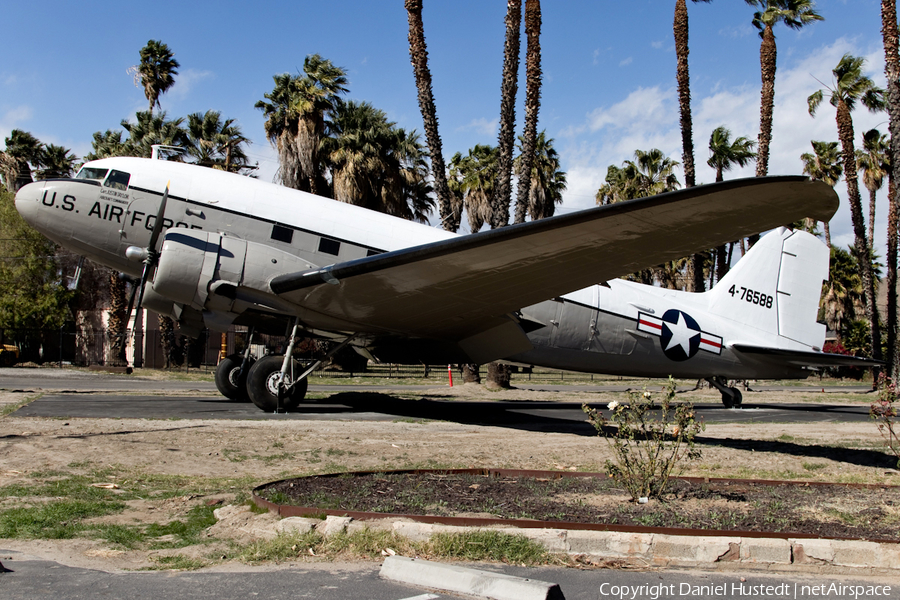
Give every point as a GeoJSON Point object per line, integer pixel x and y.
{"type": "Point", "coordinates": [482, 126]}
{"type": "Point", "coordinates": [657, 45]}
{"type": "Point", "coordinates": [186, 80]}
{"type": "Point", "coordinates": [626, 62]}
{"type": "Point", "coordinates": [13, 118]}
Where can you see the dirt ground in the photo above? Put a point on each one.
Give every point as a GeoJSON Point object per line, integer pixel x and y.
{"type": "Point", "coordinates": [247, 453]}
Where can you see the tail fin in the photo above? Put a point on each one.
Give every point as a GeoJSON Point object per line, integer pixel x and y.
{"type": "Point", "coordinates": [774, 290]}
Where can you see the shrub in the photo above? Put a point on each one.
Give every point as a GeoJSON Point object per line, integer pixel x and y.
{"type": "Point", "coordinates": [884, 412]}
{"type": "Point", "coordinates": [647, 446]}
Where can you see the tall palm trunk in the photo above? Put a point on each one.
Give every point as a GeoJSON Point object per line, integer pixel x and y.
{"type": "Point", "coordinates": [680, 28]}
{"type": "Point", "coordinates": [418, 52]}
{"type": "Point", "coordinates": [890, 36]}
{"type": "Point", "coordinates": [509, 86]}
{"type": "Point", "coordinates": [117, 319]}
{"type": "Point", "coordinates": [767, 56]}
{"type": "Point", "coordinates": [870, 234]}
{"type": "Point", "coordinates": [845, 134]}
{"type": "Point", "coordinates": [532, 104]}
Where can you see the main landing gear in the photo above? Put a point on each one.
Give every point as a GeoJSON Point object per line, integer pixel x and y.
{"type": "Point", "coordinates": [274, 383]}
{"type": "Point", "coordinates": [731, 396]}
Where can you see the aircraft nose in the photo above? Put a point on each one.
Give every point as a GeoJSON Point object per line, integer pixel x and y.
{"type": "Point", "coordinates": [28, 200]}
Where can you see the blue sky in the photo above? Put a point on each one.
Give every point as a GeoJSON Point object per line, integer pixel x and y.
{"type": "Point", "coordinates": [608, 88]}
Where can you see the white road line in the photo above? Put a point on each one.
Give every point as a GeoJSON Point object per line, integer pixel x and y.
{"type": "Point", "coordinates": [422, 597]}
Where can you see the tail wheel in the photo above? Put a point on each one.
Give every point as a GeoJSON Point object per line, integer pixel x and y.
{"type": "Point", "coordinates": [263, 382]}
{"type": "Point", "coordinates": [230, 382]}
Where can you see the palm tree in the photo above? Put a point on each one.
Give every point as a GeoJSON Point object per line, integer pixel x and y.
{"type": "Point", "coordinates": [723, 155]}
{"type": "Point", "coordinates": [376, 165]}
{"type": "Point", "coordinates": [890, 37]}
{"type": "Point", "coordinates": [546, 181]}
{"type": "Point", "coordinates": [532, 106]}
{"type": "Point", "coordinates": [56, 161]}
{"type": "Point", "coordinates": [23, 151]}
{"type": "Point", "coordinates": [472, 178]}
{"type": "Point", "coordinates": [824, 164]}
{"type": "Point", "coordinates": [148, 130]}
{"type": "Point", "coordinates": [281, 129]}
{"type": "Point", "coordinates": [418, 52]}
{"type": "Point", "coordinates": [215, 143]}
{"type": "Point", "coordinates": [107, 144]}
{"type": "Point", "coordinates": [850, 87]}
{"type": "Point", "coordinates": [503, 189]}
{"type": "Point", "coordinates": [795, 14]}
{"type": "Point", "coordinates": [157, 71]}
{"type": "Point", "coordinates": [317, 96]}
{"type": "Point", "coordinates": [295, 120]}
{"type": "Point", "coordinates": [842, 294]}
{"type": "Point", "coordinates": [874, 162]}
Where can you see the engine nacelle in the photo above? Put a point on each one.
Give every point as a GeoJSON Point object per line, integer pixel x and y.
{"type": "Point", "coordinates": [192, 263]}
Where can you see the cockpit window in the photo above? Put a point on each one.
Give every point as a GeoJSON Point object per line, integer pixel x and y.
{"type": "Point", "coordinates": [92, 173]}
{"type": "Point", "coordinates": [118, 180]}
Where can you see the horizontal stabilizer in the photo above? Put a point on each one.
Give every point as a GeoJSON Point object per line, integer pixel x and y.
{"type": "Point", "coordinates": [805, 358]}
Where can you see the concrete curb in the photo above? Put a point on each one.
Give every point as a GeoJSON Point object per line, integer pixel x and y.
{"type": "Point", "coordinates": [631, 548]}
{"type": "Point", "coordinates": [656, 549]}
{"type": "Point", "coordinates": [451, 578]}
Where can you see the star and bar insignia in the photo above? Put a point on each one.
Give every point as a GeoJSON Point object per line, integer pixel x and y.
{"type": "Point", "coordinates": [680, 337]}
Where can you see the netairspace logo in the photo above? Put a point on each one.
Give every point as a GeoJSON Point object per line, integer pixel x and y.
{"type": "Point", "coordinates": [744, 590]}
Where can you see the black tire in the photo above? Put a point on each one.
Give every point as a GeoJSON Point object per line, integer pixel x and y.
{"type": "Point", "coordinates": [227, 381]}
{"type": "Point", "coordinates": [727, 400]}
{"type": "Point", "coordinates": [262, 384]}
{"type": "Point", "coordinates": [737, 398]}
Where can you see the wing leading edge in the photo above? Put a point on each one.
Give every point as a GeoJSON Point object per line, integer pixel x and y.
{"type": "Point", "coordinates": [458, 288]}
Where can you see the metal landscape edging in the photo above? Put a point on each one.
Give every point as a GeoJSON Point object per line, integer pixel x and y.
{"type": "Point", "coordinates": [288, 510]}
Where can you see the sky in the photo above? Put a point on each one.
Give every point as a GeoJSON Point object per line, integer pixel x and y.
{"type": "Point", "coordinates": [608, 74]}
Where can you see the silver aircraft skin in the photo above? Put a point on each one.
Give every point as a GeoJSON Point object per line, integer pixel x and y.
{"type": "Point", "coordinates": [236, 250]}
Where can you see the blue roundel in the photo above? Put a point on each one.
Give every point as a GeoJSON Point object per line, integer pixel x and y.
{"type": "Point", "coordinates": [680, 337]}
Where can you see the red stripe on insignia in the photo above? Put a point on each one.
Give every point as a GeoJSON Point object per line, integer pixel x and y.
{"type": "Point", "coordinates": [649, 324]}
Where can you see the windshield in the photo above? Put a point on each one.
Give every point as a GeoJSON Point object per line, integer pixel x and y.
{"type": "Point", "coordinates": [92, 173]}
{"type": "Point", "coordinates": [118, 180]}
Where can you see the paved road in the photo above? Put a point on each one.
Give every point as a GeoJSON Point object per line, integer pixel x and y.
{"type": "Point", "coordinates": [91, 395]}
{"type": "Point", "coordinates": [32, 578]}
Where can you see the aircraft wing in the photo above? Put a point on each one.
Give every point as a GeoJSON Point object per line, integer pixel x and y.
{"type": "Point", "coordinates": [803, 358]}
{"type": "Point", "coordinates": [458, 288]}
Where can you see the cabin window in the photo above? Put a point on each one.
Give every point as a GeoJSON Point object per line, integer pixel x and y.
{"type": "Point", "coordinates": [117, 180]}
{"type": "Point", "coordinates": [92, 173]}
{"type": "Point", "coordinates": [282, 234]}
{"type": "Point", "coordinates": [373, 252]}
{"type": "Point", "coordinates": [329, 246]}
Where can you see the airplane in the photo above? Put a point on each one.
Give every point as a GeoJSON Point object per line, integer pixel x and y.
{"type": "Point", "coordinates": [239, 251]}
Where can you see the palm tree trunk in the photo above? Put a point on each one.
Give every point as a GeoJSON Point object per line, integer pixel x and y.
{"type": "Point", "coordinates": [871, 232]}
{"type": "Point", "coordinates": [890, 36]}
{"type": "Point", "coordinates": [827, 228]}
{"type": "Point", "coordinates": [680, 29]}
{"type": "Point", "coordinates": [418, 52]}
{"type": "Point", "coordinates": [509, 86]}
{"type": "Point", "coordinates": [845, 134]}
{"type": "Point", "coordinates": [532, 104]}
{"type": "Point", "coordinates": [767, 55]}
{"type": "Point", "coordinates": [116, 325]}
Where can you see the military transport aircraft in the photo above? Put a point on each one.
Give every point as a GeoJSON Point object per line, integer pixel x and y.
{"type": "Point", "coordinates": [239, 251]}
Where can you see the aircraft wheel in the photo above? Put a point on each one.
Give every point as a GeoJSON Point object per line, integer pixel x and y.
{"type": "Point", "coordinates": [737, 398]}
{"type": "Point", "coordinates": [229, 382]}
{"type": "Point", "coordinates": [727, 400]}
{"type": "Point", "coordinates": [264, 379]}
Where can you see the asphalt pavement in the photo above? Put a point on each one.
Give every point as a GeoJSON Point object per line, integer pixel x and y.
{"type": "Point", "coordinates": [28, 578]}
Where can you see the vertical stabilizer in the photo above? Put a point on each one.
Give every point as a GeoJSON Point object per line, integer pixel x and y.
{"type": "Point", "coordinates": [773, 292]}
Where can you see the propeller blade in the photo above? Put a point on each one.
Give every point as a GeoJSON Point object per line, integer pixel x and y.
{"type": "Point", "coordinates": [152, 257]}
{"type": "Point", "coordinates": [158, 224]}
